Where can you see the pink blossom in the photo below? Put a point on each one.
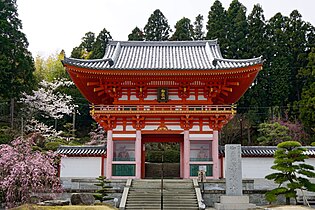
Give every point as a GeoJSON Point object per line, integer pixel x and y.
{"type": "Point", "coordinates": [23, 171]}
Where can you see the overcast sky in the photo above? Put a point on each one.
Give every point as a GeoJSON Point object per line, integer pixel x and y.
{"type": "Point", "coordinates": [52, 25]}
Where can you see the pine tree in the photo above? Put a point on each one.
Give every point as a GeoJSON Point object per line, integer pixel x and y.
{"type": "Point", "coordinates": [183, 30]}
{"type": "Point", "coordinates": [16, 62]}
{"type": "Point", "coordinates": [257, 45]}
{"type": "Point", "coordinates": [99, 46]}
{"type": "Point", "coordinates": [136, 35]}
{"type": "Point", "coordinates": [91, 48]}
{"type": "Point", "coordinates": [101, 194]}
{"type": "Point", "coordinates": [289, 161]}
{"type": "Point", "coordinates": [157, 28]}
{"type": "Point", "coordinates": [237, 30]}
{"type": "Point", "coordinates": [217, 25]}
{"type": "Point", "coordinates": [279, 61]}
{"type": "Point", "coordinates": [298, 51]}
{"type": "Point", "coordinates": [198, 25]}
{"type": "Point", "coordinates": [307, 104]}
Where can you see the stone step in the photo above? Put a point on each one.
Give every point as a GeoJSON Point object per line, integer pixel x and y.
{"type": "Point", "coordinates": [177, 194]}
{"type": "Point", "coordinates": [164, 201]}
{"type": "Point", "coordinates": [164, 207]}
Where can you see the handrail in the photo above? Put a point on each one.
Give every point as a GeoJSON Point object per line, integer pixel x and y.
{"type": "Point", "coordinates": [164, 108]}
{"type": "Point", "coordinates": [123, 200]}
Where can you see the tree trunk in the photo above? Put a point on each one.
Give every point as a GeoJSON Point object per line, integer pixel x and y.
{"type": "Point", "coordinates": [12, 112]}
{"type": "Point", "coordinates": [287, 201]}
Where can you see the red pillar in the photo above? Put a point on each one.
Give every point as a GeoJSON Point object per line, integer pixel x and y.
{"type": "Point", "coordinates": [186, 154]}
{"type": "Point", "coordinates": [109, 154]}
{"type": "Point", "coordinates": [138, 154]}
{"type": "Point", "coordinates": [215, 154]}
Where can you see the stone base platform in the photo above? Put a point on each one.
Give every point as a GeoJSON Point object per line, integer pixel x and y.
{"type": "Point", "coordinates": [234, 203]}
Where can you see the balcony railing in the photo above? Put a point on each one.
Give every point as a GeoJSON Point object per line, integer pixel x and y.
{"type": "Point", "coordinates": [108, 109]}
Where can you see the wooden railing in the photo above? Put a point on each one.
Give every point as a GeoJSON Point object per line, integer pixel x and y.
{"type": "Point", "coordinates": [100, 109]}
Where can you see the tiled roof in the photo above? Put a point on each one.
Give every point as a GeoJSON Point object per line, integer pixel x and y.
{"type": "Point", "coordinates": [263, 151]}
{"type": "Point", "coordinates": [174, 55]}
{"type": "Point", "coordinates": [82, 150]}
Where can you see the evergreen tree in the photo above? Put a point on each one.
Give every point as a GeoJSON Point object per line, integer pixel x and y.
{"type": "Point", "coordinates": [279, 77]}
{"type": "Point", "coordinates": [136, 35]}
{"type": "Point", "coordinates": [88, 41]}
{"type": "Point", "coordinates": [16, 62]}
{"type": "Point", "coordinates": [257, 45]}
{"type": "Point", "coordinates": [91, 48]}
{"type": "Point", "coordinates": [297, 29]}
{"type": "Point", "coordinates": [198, 25]}
{"type": "Point", "coordinates": [183, 30]}
{"type": "Point", "coordinates": [157, 28]}
{"type": "Point", "coordinates": [289, 161]}
{"type": "Point", "coordinates": [307, 104]}
{"type": "Point", "coordinates": [237, 30]}
{"type": "Point", "coordinates": [273, 133]}
{"type": "Point", "coordinates": [99, 46]}
{"type": "Point", "coordinates": [217, 25]}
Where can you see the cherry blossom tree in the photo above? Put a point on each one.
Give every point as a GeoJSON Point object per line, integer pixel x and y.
{"type": "Point", "coordinates": [24, 171]}
{"type": "Point", "coordinates": [48, 102]}
{"type": "Point", "coordinates": [35, 126]}
{"type": "Point", "coordinates": [97, 136]}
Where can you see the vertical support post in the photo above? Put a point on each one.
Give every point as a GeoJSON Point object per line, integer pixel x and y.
{"type": "Point", "coordinates": [181, 145]}
{"type": "Point", "coordinates": [138, 154]}
{"type": "Point", "coordinates": [215, 154]}
{"type": "Point", "coordinates": [186, 154]}
{"type": "Point", "coordinates": [109, 154]}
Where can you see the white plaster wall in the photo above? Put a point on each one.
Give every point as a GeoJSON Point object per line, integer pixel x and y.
{"type": "Point", "coordinates": [257, 167]}
{"type": "Point", "coordinates": [80, 167]}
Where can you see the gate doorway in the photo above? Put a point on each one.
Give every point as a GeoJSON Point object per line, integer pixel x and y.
{"type": "Point", "coordinates": [163, 151]}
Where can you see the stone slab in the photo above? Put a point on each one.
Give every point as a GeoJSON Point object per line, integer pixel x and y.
{"type": "Point", "coordinates": [233, 169]}
{"type": "Point", "coordinates": [234, 199]}
{"type": "Point", "coordinates": [234, 206]}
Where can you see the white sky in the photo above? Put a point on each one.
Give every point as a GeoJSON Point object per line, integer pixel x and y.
{"type": "Point", "coordinates": [52, 25]}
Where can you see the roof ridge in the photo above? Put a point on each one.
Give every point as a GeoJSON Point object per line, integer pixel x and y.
{"type": "Point", "coordinates": [164, 43]}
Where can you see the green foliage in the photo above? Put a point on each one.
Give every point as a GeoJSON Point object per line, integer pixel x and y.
{"type": "Point", "coordinates": [91, 48]}
{"type": "Point", "coordinates": [136, 35]}
{"type": "Point", "coordinates": [53, 145]}
{"type": "Point", "coordinates": [307, 103]}
{"type": "Point", "coordinates": [237, 30]}
{"type": "Point", "coordinates": [6, 134]}
{"type": "Point", "coordinates": [289, 161]}
{"type": "Point", "coordinates": [157, 28]}
{"type": "Point", "coordinates": [198, 25]}
{"type": "Point", "coordinates": [16, 62]}
{"type": "Point", "coordinates": [217, 25]}
{"type": "Point", "coordinates": [273, 133]}
{"type": "Point", "coordinates": [51, 68]}
{"type": "Point", "coordinates": [183, 30]}
{"type": "Point", "coordinates": [101, 194]}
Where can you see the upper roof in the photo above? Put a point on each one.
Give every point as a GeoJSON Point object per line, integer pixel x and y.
{"type": "Point", "coordinates": [173, 55]}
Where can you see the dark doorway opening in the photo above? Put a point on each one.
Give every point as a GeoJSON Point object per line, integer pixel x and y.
{"type": "Point", "coordinates": [158, 150]}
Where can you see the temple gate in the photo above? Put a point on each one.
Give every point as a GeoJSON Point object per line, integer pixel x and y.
{"type": "Point", "coordinates": [162, 91]}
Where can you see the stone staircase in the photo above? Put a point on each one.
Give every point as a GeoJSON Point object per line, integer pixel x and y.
{"type": "Point", "coordinates": [177, 194]}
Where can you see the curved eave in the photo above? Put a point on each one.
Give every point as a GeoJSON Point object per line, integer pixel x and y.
{"type": "Point", "coordinates": [244, 76]}
{"type": "Point", "coordinates": [163, 72]}
{"type": "Point", "coordinates": [107, 64]}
